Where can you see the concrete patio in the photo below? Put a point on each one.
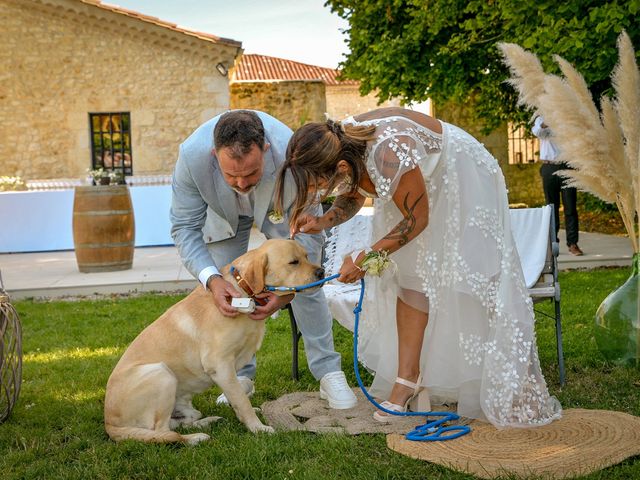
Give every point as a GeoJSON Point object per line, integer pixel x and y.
{"type": "Point", "coordinates": [55, 274]}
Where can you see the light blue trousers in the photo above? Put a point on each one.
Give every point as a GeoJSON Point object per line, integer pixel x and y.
{"type": "Point", "coordinates": [311, 310]}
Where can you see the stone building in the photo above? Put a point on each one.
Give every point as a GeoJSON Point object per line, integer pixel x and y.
{"type": "Point", "coordinates": [295, 92]}
{"type": "Point", "coordinates": [63, 60]}
{"type": "Point", "coordinates": [86, 84]}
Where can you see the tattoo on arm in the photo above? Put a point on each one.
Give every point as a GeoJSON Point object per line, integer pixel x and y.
{"type": "Point", "coordinates": [402, 230]}
{"type": "Point", "coordinates": [343, 209]}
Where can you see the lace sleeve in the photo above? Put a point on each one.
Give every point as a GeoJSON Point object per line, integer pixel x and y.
{"type": "Point", "coordinates": [397, 149]}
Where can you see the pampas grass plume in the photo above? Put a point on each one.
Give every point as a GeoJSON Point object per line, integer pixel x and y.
{"type": "Point", "coordinates": [603, 148]}
{"type": "Point", "coordinates": [527, 72]}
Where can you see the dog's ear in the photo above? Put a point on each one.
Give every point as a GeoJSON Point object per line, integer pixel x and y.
{"type": "Point", "coordinates": [254, 269]}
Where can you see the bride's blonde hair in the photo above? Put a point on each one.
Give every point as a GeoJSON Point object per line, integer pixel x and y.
{"type": "Point", "coordinates": [313, 153]}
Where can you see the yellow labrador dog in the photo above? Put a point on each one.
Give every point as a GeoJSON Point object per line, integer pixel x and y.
{"type": "Point", "coordinates": [190, 347]}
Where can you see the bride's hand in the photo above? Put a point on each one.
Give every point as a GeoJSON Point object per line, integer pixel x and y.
{"type": "Point", "coordinates": [349, 271]}
{"type": "Point", "coordinates": [308, 224]}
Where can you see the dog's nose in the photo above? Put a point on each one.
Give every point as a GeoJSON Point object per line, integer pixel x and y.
{"type": "Point", "coordinates": [320, 273]}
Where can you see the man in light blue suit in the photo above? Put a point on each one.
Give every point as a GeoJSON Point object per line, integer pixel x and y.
{"type": "Point", "coordinates": [223, 183]}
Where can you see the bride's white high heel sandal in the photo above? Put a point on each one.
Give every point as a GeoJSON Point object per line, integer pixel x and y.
{"type": "Point", "coordinates": [418, 402]}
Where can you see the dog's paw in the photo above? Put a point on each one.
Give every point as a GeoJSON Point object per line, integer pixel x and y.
{"type": "Point", "coordinates": [204, 422]}
{"type": "Point", "coordinates": [185, 415]}
{"type": "Point", "coordinates": [262, 429]}
{"type": "Point", "coordinates": [195, 438]}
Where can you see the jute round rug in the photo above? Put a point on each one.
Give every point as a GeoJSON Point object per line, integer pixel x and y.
{"type": "Point", "coordinates": [306, 411]}
{"type": "Point", "coordinates": [581, 442]}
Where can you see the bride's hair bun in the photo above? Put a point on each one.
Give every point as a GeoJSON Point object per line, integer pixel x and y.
{"type": "Point", "coordinates": [335, 128]}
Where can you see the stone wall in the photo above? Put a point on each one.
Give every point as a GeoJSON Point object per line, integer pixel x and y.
{"type": "Point", "coordinates": [296, 102]}
{"type": "Point", "coordinates": [293, 102]}
{"type": "Point", "coordinates": [345, 100]}
{"type": "Point", "coordinates": [63, 59]}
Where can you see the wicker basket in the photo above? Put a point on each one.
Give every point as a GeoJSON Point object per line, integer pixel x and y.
{"type": "Point", "coordinates": [10, 355]}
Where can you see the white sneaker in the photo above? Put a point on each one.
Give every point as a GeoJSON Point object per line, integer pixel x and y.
{"type": "Point", "coordinates": [247, 385]}
{"type": "Point", "coordinates": [335, 389]}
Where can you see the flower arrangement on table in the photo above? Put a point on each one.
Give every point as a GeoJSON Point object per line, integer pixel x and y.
{"type": "Point", "coordinates": [10, 184]}
{"type": "Point", "coordinates": [100, 176]}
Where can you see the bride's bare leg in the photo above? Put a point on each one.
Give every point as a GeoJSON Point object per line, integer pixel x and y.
{"type": "Point", "coordinates": [411, 324]}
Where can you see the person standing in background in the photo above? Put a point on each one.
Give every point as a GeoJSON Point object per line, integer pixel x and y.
{"type": "Point", "coordinates": [554, 186]}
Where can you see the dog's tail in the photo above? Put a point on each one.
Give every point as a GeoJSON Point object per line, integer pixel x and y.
{"type": "Point", "coordinates": [118, 434]}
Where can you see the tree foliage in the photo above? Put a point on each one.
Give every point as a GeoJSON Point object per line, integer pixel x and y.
{"type": "Point", "coordinates": [446, 49]}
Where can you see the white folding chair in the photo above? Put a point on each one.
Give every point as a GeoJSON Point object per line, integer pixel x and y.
{"type": "Point", "coordinates": [534, 232]}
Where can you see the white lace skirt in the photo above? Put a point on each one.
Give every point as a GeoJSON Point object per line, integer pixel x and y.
{"type": "Point", "coordinates": [479, 348]}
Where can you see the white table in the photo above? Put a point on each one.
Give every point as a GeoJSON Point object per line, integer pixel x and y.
{"type": "Point", "coordinates": [38, 221]}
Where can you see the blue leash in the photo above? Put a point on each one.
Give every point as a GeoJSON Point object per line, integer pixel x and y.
{"type": "Point", "coordinates": [432, 431]}
{"type": "Point", "coordinates": [301, 287]}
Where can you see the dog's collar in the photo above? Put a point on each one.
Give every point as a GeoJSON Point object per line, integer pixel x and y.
{"type": "Point", "coordinates": [242, 283]}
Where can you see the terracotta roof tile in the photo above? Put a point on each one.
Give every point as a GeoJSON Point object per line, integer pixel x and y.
{"type": "Point", "coordinates": [252, 67]}
{"type": "Point", "coordinates": [163, 23]}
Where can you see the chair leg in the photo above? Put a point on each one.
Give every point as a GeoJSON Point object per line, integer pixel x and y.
{"type": "Point", "coordinates": [559, 342]}
{"type": "Point", "coordinates": [295, 339]}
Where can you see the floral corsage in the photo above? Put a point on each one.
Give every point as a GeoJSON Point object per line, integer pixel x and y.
{"type": "Point", "coordinates": [376, 263]}
{"type": "Point", "coordinates": [276, 217]}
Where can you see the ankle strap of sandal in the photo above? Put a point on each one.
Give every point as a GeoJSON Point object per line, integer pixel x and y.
{"type": "Point", "coordinates": [407, 383]}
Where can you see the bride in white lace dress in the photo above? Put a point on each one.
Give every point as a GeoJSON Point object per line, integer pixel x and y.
{"type": "Point", "coordinates": [454, 324]}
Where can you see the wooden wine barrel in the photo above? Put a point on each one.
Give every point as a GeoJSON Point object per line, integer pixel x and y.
{"type": "Point", "coordinates": [103, 228]}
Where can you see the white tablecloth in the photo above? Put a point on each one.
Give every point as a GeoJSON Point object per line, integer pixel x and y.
{"type": "Point", "coordinates": [37, 221]}
{"type": "Point", "coordinates": [530, 228]}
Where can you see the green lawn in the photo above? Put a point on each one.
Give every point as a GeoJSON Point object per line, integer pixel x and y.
{"type": "Point", "coordinates": [70, 349]}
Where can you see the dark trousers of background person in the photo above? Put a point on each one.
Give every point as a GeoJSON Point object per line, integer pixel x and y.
{"type": "Point", "coordinates": [553, 186]}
